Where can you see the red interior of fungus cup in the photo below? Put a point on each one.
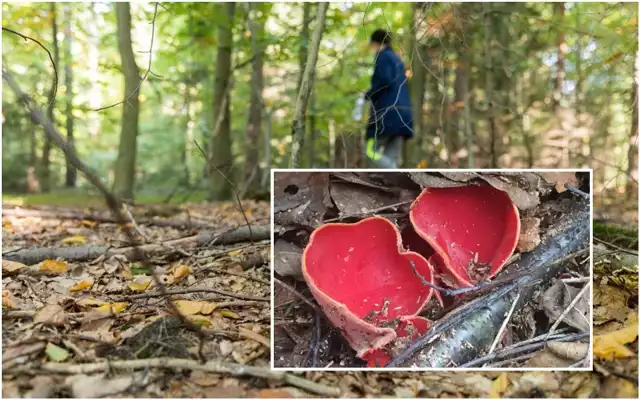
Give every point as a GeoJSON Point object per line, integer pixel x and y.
{"type": "Point", "coordinates": [364, 281]}
{"type": "Point", "coordinates": [473, 229]}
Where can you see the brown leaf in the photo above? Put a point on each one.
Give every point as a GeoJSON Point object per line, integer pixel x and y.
{"type": "Point", "coordinates": [559, 179]}
{"type": "Point", "coordinates": [287, 259]}
{"type": "Point", "coordinates": [51, 314]}
{"type": "Point", "coordinates": [574, 351]}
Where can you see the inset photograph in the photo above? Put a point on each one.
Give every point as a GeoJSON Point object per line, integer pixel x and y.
{"type": "Point", "coordinates": [432, 270]}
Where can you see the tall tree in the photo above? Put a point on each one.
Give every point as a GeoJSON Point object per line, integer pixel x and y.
{"type": "Point", "coordinates": [125, 166]}
{"type": "Point", "coordinates": [306, 86]}
{"type": "Point", "coordinates": [558, 10]}
{"type": "Point", "coordinates": [417, 83]}
{"type": "Point", "coordinates": [632, 155]}
{"type": "Point", "coordinates": [45, 173]}
{"type": "Point", "coordinates": [71, 172]}
{"type": "Point", "coordinates": [489, 94]}
{"type": "Point", "coordinates": [254, 124]}
{"type": "Point", "coordinates": [221, 159]}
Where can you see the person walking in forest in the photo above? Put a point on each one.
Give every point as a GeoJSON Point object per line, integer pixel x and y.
{"type": "Point", "coordinates": [390, 118]}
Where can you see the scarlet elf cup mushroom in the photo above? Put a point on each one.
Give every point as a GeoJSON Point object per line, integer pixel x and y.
{"type": "Point", "coordinates": [366, 282]}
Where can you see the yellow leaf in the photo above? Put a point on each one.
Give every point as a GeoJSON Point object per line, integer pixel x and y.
{"type": "Point", "coordinates": [180, 273]}
{"type": "Point", "coordinates": [208, 308]}
{"type": "Point", "coordinates": [88, 223]}
{"type": "Point", "coordinates": [115, 308]}
{"type": "Point", "coordinates": [88, 302]}
{"type": "Point", "coordinates": [499, 386]}
{"type": "Point", "coordinates": [74, 240]}
{"type": "Point", "coordinates": [229, 314]}
{"type": "Point", "coordinates": [7, 302]}
{"type": "Point", "coordinates": [82, 285]}
{"type": "Point", "coordinates": [189, 307]}
{"type": "Point", "coordinates": [53, 266]}
{"type": "Point", "coordinates": [234, 252]}
{"type": "Point", "coordinates": [611, 345]}
{"type": "Point", "coordinates": [200, 320]}
{"type": "Point", "coordinates": [140, 284]}
{"type": "Point", "coordinates": [11, 266]}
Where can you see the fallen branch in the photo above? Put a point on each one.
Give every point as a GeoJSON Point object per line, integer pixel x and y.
{"type": "Point", "coordinates": [468, 331]}
{"type": "Point", "coordinates": [194, 290]}
{"type": "Point", "coordinates": [193, 365]}
{"type": "Point", "coordinates": [134, 253]}
{"type": "Point", "coordinates": [70, 215]}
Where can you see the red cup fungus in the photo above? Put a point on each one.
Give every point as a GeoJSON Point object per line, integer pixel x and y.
{"type": "Point", "coordinates": [364, 281]}
{"type": "Point", "coordinates": [473, 230]}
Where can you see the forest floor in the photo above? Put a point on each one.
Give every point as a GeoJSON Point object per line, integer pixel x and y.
{"type": "Point", "coordinates": [100, 327]}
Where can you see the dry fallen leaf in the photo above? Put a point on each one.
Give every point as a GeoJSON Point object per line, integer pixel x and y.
{"type": "Point", "coordinates": [560, 178]}
{"type": "Point", "coordinates": [234, 252]}
{"type": "Point", "coordinates": [50, 314]}
{"type": "Point", "coordinates": [499, 386]}
{"type": "Point", "coordinates": [114, 308]}
{"type": "Point", "coordinates": [7, 301]}
{"type": "Point", "coordinates": [56, 353]}
{"type": "Point", "coordinates": [140, 283]}
{"type": "Point", "coordinates": [78, 239]}
{"type": "Point", "coordinates": [88, 223]}
{"type": "Point", "coordinates": [189, 307]}
{"type": "Point", "coordinates": [229, 314]}
{"type": "Point", "coordinates": [200, 320]}
{"type": "Point", "coordinates": [611, 345]}
{"type": "Point", "coordinates": [529, 237]}
{"type": "Point", "coordinates": [84, 284]}
{"type": "Point", "coordinates": [88, 302]}
{"type": "Point", "coordinates": [54, 267]}
{"type": "Point", "coordinates": [9, 267]}
{"type": "Point", "coordinates": [180, 273]}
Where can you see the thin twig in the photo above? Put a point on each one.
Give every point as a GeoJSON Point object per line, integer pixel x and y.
{"type": "Point", "coordinates": [576, 191]}
{"type": "Point", "coordinates": [569, 308]}
{"type": "Point", "coordinates": [233, 187]}
{"type": "Point", "coordinates": [376, 210]}
{"type": "Point", "coordinates": [299, 295]}
{"type": "Point", "coordinates": [446, 291]}
{"type": "Point", "coordinates": [632, 252]}
{"type": "Point", "coordinates": [504, 325]}
{"type": "Point", "coordinates": [146, 73]}
{"type": "Point", "coordinates": [55, 69]}
{"type": "Point", "coordinates": [211, 366]}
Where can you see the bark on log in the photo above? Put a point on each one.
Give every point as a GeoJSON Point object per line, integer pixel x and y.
{"type": "Point", "coordinates": [468, 332]}
{"type": "Point", "coordinates": [89, 252]}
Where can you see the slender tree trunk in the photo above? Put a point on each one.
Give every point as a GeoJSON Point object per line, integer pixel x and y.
{"type": "Point", "coordinates": [253, 134]}
{"type": "Point", "coordinates": [264, 183]}
{"type": "Point", "coordinates": [306, 86]}
{"type": "Point", "coordinates": [489, 93]}
{"type": "Point", "coordinates": [632, 155]}
{"type": "Point", "coordinates": [313, 133]}
{"type": "Point", "coordinates": [558, 10]}
{"type": "Point", "coordinates": [304, 42]}
{"type": "Point", "coordinates": [125, 167]}
{"type": "Point", "coordinates": [45, 173]}
{"type": "Point", "coordinates": [93, 53]}
{"type": "Point", "coordinates": [71, 172]}
{"type": "Point", "coordinates": [33, 184]}
{"type": "Point", "coordinates": [417, 88]}
{"type": "Point", "coordinates": [220, 147]}
{"type": "Point", "coordinates": [462, 106]}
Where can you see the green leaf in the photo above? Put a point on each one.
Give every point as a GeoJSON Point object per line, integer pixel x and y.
{"type": "Point", "coordinates": [56, 353]}
{"type": "Point", "coordinates": [138, 270]}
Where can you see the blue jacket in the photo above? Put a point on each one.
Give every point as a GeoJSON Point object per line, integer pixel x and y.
{"type": "Point", "coordinates": [390, 113]}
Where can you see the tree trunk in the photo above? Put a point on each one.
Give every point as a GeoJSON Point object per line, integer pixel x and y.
{"type": "Point", "coordinates": [462, 106]}
{"type": "Point", "coordinates": [417, 88]}
{"type": "Point", "coordinates": [306, 86]}
{"type": "Point", "coordinates": [251, 173]}
{"type": "Point", "coordinates": [33, 184]}
{"type": "Point", "coordinates": [313, 133]}
{"type": "Point", "coordinates": [71, 173]}
{"type": "Point", "coordinates": [45, 173]}
{"type": "Point", "coordinates": [125, 167]}
{"type": "Point", "coordinates": [221, 158]}
{"type": "Point", "coordinates": [304, 42]}
{"type": "Point", "coordinates": [493, 134]}
{"type": "Point", "coordinates": [558, 10]}
{"type": "Point", "coordinates": [632, 155]}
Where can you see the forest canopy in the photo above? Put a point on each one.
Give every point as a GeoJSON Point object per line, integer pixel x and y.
{"type": "Point", "coordinates": [146, 90]}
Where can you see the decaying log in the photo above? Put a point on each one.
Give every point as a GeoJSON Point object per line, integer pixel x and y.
{"type": "Point", "coordinates": [89, 252]}
{"type": "Point", "coordinates": [468, 332]}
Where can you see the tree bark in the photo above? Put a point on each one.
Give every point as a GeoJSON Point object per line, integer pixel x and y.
{"type": "Point", "coordinates": [71, 173]}
{"type": "Point", "coordinates": [125, 167]}
{"type": "Point", "coordinates": [493, 134]}
{"type": "Point", "coordinates": [45, 173]}
{"type": "Point", "coordinates": [251, 173]}
{"type": "Point", "coordinates": [221, 159]}
{"type": "Point", "coordinates": [558, 10]}
{"type": "Point", "coordinates": [632, 155]}
{"type": "Point", "coordinates": [417, 88]}
{"type": "Point", "coordinates": [306, 86]}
